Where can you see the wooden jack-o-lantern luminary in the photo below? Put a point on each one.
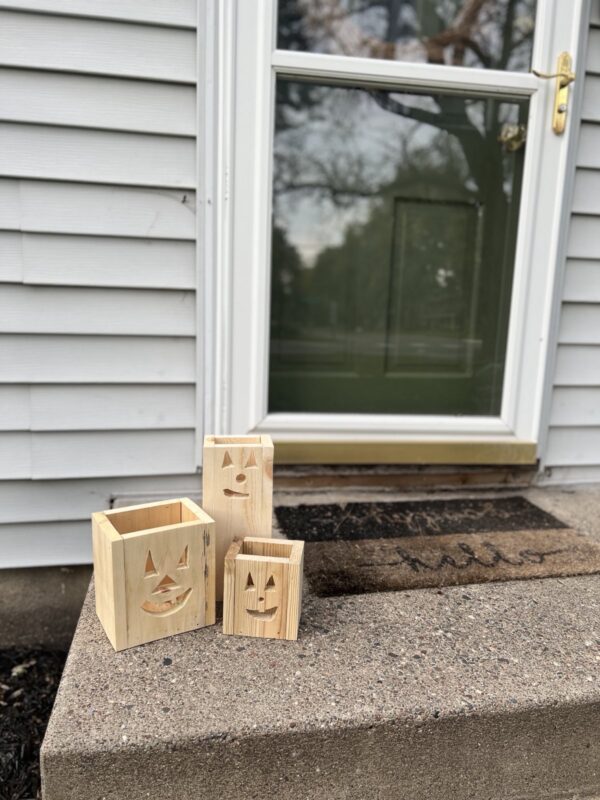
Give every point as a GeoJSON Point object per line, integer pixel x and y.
{"type": "Point", "coordinates": [263, 588]}
{"type": "Point", "coordinates": [237, 490]}
{"type": "Point", "coordinates": [154, 570]}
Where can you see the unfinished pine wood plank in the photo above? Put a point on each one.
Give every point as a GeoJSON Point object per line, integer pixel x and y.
{"type": "Point", "coordinates": [166, 585]}
{"type": "Point", "coordinates": [263, 592]}
{"type": "Point", "coordinates": [237, 490]}
{"type": "Point", "coordinates": [109, 572]}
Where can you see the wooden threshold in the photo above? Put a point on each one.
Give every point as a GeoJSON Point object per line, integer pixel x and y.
{"type": "Point", "coordinates": [453, 453]}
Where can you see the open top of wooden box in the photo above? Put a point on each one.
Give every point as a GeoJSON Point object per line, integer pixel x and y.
{"type": "Point", "coordinates": [240, 441]}
{"type": "Point", "coordinates": [173, 514]}
{"type": "Point", "coordinates": [254, 548]}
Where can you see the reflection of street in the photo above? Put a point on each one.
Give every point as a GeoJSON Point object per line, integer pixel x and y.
{"type": "Point", "coordinates": [317, 350]}
{"type": "Point", "coordinates": [395, 213]}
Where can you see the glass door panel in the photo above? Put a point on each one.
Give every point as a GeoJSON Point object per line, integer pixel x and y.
{"type": "Point", "coordinates": [492, 34]}
{"type": "Point", "coordinates": [393, 240]}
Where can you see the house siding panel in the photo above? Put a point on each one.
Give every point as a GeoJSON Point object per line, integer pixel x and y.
{"type": "Point", "coordinates": [97, 265]}
{"type": "Point", "coordinates": [572, 448]}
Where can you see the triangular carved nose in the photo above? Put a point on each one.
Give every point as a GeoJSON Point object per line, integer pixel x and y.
{"type": "Point", "coordinates": [166, 585]}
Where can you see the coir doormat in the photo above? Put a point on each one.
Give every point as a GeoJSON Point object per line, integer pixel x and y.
{"type": "Point", "coordinates": [376, 547]}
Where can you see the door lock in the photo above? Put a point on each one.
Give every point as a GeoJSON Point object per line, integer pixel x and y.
{"type": "Point", "coordinates": [564, 76]}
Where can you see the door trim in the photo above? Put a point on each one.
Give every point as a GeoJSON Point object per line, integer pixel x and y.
{"type": "Point", "coordinates": [235, 251]}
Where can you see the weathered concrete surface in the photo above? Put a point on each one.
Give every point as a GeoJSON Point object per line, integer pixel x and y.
{"type": "Point", "coordinates": [40, 606]}
{"type": "Point", "coordinates": [489, 692]}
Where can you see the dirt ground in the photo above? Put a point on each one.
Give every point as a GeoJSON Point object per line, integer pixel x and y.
{"type": "Point", "coordinates": [28, 683]}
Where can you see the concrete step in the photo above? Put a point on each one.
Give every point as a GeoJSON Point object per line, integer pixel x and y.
{"type": "Point", "coordinates": [485, 691]}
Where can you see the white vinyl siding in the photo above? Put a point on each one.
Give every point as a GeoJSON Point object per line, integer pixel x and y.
{"type": "Point", "coordinates": [98, 279]}
{"type": "Point", "coordinates": [572, 452]}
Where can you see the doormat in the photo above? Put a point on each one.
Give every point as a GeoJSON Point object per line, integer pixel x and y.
{"type": "Point", "coordinates": [358, 548]}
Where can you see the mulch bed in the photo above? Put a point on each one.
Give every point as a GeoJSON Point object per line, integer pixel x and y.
{"type": "Point", "coordinates": [28, 683]}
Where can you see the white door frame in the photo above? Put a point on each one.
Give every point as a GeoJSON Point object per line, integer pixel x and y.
{"type": "Point", "coordinates": [241, 62]}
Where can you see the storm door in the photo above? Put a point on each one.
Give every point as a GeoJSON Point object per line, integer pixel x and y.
{"type": "Point", "coordinates": [396, 201]}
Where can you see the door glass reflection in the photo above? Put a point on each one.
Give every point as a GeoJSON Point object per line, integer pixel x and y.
{"type": "Point", "coordinates": [394, 230]}
{"type": "Point", "coordinates": [489, 34]}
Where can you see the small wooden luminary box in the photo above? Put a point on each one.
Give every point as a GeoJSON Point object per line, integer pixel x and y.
{"type": "Point", "coordinates": [237, 490]}
{"type": "Point", "coordinates": [154, 571]}
{"type": "Point", "coordinates": [263, 588]}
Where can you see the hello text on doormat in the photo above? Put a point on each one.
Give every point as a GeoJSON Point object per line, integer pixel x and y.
{"type": "Point", "coordinates": [373, 547]}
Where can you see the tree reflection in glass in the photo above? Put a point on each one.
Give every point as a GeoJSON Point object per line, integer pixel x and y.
{"type": "Point", "coordinates": [492, 34]}
{"type": "Point", "coordinates": [394, 229]}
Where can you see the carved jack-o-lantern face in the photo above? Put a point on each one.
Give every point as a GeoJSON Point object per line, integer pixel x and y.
{"type": "Point", "coordinates": [165, 588]}
{"type": "Point", "coordinates": [235, 468]}
{"type": "Point", "coordinates": [261, 602]}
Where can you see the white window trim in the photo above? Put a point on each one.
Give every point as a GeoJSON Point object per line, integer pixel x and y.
{"type": "Point", "coordinates": [235, 187]}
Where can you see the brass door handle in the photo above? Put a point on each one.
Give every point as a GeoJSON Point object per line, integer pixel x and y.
{"type": "Point", "coordinates": [564, 76]}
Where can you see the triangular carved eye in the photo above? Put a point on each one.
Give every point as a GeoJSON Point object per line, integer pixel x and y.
{"type": "Point", "coordinates": [183, 561]}
{"type": "Point", "coordinates": [150, 568]}
{"type": "Point", "coordinates": [227, 462]}
{"type": "Point", "coordinates": [270, 583]}
{"type": "Point", "coordinates": [249, 582]}
{"type": "Point", "coordinates": [251, 460]}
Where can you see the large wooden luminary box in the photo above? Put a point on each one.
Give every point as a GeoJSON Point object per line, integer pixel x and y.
{"type": "Point", "coordinates": [154, 571]}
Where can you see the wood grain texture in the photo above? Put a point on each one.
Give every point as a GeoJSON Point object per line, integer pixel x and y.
{"type": "Point", "coordinates": [39, 206]}
{"type": "Point", "coordinates": [263, 588]}
{"type": "Point", "coordinates": [85, 101]}
{"type": "Point", "coordinates": [165, 585]}
{"type": "Point", "coordinates": [237, 490]}
{"type": "Point", "coordinates": [39, 41]}
{"type": "Point", "coordinates": [109, 573]}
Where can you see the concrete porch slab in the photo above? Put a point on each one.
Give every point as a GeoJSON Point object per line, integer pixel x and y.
{"type": "Point", "coordinates": [484, 691]}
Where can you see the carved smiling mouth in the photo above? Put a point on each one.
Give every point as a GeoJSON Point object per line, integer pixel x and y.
{"type": "Point", "coordinates": [263, 616]}
{"type": "Point", "coordinates": [231, 493]}
{"type": "Point", "coordinates": [167, 606]}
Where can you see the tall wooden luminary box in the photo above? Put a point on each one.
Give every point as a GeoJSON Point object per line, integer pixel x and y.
{"type": "Point", "coordinates": [154, 571]}
{"type": "Point", "coordinates": [237, 490]}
